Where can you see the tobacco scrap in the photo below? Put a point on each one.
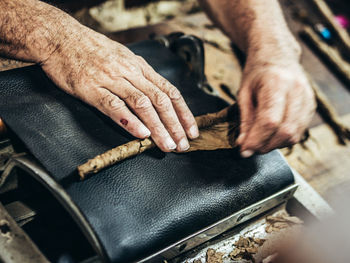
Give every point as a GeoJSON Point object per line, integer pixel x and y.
{"type": "Point", "coordinates": [213, 256]}
{"type": "Point", "coordinates": [245, 248]}
{"type": "Point", "coordinates": [281, 221]}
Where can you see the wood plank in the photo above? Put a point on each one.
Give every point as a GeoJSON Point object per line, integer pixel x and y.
{"type": "Point", "coordinates": [324, 164]}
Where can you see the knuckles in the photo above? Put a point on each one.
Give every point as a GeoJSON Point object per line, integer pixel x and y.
{"type": "Point", "coordinates": [130, 72]}
{"type": "Point", "coordinates": [133, 68]}
{"type": "Point", "coordinates": [294, 139]}
{"type": "Point", "coordinates": [162, 101]}
{"type": "Point", "coordinates": [158, 130]}
{"type": "Point", "coordinates": [271, 123]}
{"type": "Point", "coordinates": [174, 93]}
{"type": "Point", "coordinates": [289, 134]}
{"type": "Point", "coordinates": [140, 101]}
{"type": "Point", "coordinates": [177, 132]}
{"type": "Point", "coordinates": [112, 103]}
{"type": "Point", "coordinates": [140, 59]}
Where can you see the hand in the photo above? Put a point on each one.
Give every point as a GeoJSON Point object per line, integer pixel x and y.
{"type": "Point", "coordinates": [110, 77]}
{"type": "Point", "coordinates": [276, 104]}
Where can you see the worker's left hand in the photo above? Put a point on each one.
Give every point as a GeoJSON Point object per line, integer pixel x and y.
{"type": "Point", "coordinates": [276, 104]}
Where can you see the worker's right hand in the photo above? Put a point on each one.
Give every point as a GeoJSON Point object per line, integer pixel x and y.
{"type": "Point", "coordinates": [108, 76]}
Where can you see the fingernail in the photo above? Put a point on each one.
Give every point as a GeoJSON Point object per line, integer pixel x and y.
{"type": "Point", "coordinates": [240, 138]}
{"type": "Point", "coordinates": [183, 145]}
{"type": "Point", "coordinates": [145, 132]}
{"type": "Point", "coordinates": [193, 132]}
{"type": "Point", "coordinates": [171, 145]}
{"type": "Point", "coordinates": [247, 153]}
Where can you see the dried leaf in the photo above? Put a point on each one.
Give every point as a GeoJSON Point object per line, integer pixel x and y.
{"type": "Point", "coordinates": [281, 221]}
{"type": "Point", "coordinates": [245, 248]}
{"type": "Point", "coordinates": [213, 256]}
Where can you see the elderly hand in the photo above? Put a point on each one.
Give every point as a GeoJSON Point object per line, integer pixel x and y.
{"type": "Point", "coordinates": [110, 77]}
{"type": "Point", "coordinates": [276, 104]}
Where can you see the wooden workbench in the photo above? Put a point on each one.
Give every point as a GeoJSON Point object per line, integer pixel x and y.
{"type": "Point", "coordinates": [325, 164]}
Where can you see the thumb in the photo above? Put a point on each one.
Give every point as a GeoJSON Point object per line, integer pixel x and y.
{"type": "Point", "coordinates": [247, 114]}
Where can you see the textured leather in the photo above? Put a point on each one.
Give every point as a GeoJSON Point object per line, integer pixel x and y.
{"type": "Point", "coordinates": [145, 203]}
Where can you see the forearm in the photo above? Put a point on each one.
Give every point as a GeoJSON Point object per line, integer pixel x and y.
{"type": "Point", "coordinates": [275, 99]}
{"type": "Point", "coordinates": [31, 30]}
{"type": "Point", "coordinates": [257, 27]}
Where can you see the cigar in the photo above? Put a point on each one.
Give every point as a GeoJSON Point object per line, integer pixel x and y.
{"type": "Point", "coordinates": [138, 146]}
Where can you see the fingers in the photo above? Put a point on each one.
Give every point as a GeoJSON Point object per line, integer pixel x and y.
{"type": "Point", "coordinates": [282, 114]}
{"type": "Point", "coordinates": [184, 114]}
{"type": "Point", "coordinates": [142, 106]}
{"type": "Point", "coordinates": [287, 134]}
{"type": "Point", "coordinates": [294, 124]}
{"type": "Point", "coordinates": [269, 114]}
{"type": "Point", "coordinates": [163, 106]}
{"type": "Point", "coordinates": [246, 113]}
{"type": "Point", "coordinates": [116, 109]}
{"type": "Point", "coordinates": [123, 86]}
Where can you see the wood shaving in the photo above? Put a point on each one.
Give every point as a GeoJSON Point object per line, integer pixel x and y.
{"type": "Point", "coordinates": [213, 256]}
{"type": "Point", "coordinates": [328, 113]}
{"type": "Point", "coordinates": [281, 221]}
{"type": "Point", "coordinates": [245, 248]}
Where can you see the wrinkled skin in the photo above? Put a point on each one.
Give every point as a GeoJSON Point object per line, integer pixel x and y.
{"type": "Point", "coordinates": [110, 77]}
{"type": "Point", "coordinates": [275, 99]}
{"type": "Point", "coordinates": [277, 104]}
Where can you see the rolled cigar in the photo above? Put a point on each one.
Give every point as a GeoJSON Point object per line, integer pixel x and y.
{"type": "Point", "coordinates": [138, 146]}
{"type": "Point", "coordinates": [114, 155]}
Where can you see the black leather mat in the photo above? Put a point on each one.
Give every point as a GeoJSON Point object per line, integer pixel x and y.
{"type": "Point", "coordinates": [148, 202]}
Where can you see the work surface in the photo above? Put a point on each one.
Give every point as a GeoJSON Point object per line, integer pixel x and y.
{"type": "Point", "coordinates": [324, 164]}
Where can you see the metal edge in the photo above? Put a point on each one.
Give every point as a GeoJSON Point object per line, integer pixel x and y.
{"type": "Point", "coordinates": [309, 198]}
{"type": "Point", "coordinates": [15, 245]}
{"type": "Point", "coordinates": [28, 164]}
{"type": "Point", "coordinates": [223, 225]}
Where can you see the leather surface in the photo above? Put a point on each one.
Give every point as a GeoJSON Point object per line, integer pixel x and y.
{"type": "Point", "coordinates": [148, 202]}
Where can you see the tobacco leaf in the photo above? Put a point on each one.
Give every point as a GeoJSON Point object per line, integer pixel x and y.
{"type": "Point", "coordinates": [281, 221]}
{"type": "Point", "coordinates": [216, 131]}
{"type": "Point", "coordinates": [245, 248]}
{"type": "Point", "coordinates": [213, 256]}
